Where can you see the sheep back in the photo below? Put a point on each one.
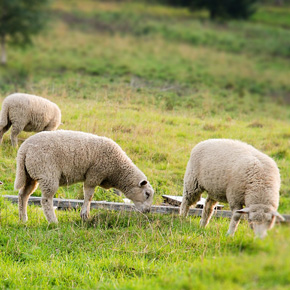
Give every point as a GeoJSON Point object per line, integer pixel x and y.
{"type": "Point", "coordinates": [33, 112]}
{"type": "Point", "coordinates": [70, 157]}
{"type": "Point", "coordinates": [233, 170]}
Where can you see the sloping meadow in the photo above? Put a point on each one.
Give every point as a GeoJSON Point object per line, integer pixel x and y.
{"type": "Point", "coordinates": [157, 81]}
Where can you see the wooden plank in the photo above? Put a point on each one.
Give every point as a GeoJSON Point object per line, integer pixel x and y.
{"type": "Point", "coordinates": [76, 203]}
{"type": "Point", "coordinates": [177, 200]}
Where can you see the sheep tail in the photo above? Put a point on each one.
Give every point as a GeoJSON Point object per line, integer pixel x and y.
{"type": "Point", "coordinates": [4, 119]}
{"type": "Point", "coordinates": [21, 177]}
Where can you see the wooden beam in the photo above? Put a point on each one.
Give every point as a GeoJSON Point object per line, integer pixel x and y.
{"type": "Point", "coordinates": [76, 203]}
{"type": "Point", "coordinates": [177, 200]}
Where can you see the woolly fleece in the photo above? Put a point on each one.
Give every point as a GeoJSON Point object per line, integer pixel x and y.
{"type": "Point", "coordinates": [234, 172]}
{"type": "Point", "coordinates": [28, 113]}
{"type": "Point", "coordinates": [62, 157]}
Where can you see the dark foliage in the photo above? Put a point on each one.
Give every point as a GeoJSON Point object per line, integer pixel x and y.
{"type": "Point", "coordinates": [19, 20]}
{"type": "Point", "coordinates": [224, 9]}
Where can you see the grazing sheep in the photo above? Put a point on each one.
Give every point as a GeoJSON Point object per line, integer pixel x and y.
{"type": "Point", "coordinates": [234, 172]}
{"type": "Point", "coordinates": [28, 113]}
{"type": "Point", "coordinates": [60, 158]}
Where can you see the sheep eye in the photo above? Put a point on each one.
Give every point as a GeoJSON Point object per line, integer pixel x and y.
{"type": "Point", "coordinates": [147, 194]}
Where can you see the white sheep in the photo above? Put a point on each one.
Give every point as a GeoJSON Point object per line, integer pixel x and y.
{"type": "Point", "coordinates": [234, 172]}
{"type": "Point", "coordinates": [28, 113]}
{"type": "Point", "coordinates": [60, 158]}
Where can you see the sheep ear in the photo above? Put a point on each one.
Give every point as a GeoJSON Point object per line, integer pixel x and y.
{"type": "Point", "coordinates": [142, 182]}
{"type": "Point", "coordinates": [1, 182]}
{"type": "Point", "coordinates": [276, 214]}
{"type": "Point", "coordinates": [243, 210]}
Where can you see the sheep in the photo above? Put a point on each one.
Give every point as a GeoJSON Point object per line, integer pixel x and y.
{"type": "Point", "coordinates": [60, 158]}
{"type": "Point", "coordinates": [27, 113]}
{"type": "Point", "coordinates": [234, 172]}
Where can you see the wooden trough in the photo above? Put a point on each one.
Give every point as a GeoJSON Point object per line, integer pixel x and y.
{"type": "Point", "coordinates": [65, 204]}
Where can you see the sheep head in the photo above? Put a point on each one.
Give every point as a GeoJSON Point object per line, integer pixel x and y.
{"type": "Point", "coordinates": [261, 218]}
{"type": "Point", "coordinates": [142, 195]}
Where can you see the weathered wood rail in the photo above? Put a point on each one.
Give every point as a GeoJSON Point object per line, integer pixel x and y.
{"type": "Point", "coordinates": [76, 203]}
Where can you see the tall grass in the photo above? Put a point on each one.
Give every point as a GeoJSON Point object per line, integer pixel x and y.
{"type": "Point", "coordinates": [127, 251]}
{"type": "Point", "coordinates": [156, 80]}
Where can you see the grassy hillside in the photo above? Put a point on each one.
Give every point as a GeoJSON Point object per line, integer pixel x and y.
{"type": "Point", "coordinates": [157, 80]}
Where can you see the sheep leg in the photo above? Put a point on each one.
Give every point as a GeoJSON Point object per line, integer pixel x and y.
{"type": "Point", "coordinates": [191, 191]}
{"type": "Point", "coordinates": [4, 130]}
{"type": "Point", "coordinates": [16, 129]}
{"type": "Point", "coordinates": [85, 211]}
{"type": "Point", "coordinates": [234, 221]}
{"type": "Point", "coordinates": [189, 198]}
{"type": "Point", "coordinates": [207, 211]}
{"type": "Point", "coordinates": [23, 197]}
{"type": "Point", "coordinates": [50, 127]}
{"type": "Point", "coordinates": [48, 189]}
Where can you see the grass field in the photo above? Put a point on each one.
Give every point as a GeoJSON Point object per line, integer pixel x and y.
{"type": "Point", "coordinates": [156, 80]}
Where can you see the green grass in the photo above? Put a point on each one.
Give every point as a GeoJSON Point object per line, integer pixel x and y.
{"type": "Point", "coordinates": [157, 81]}
{"type": "Point", "coordinates": [235, 37]}
{"type": "Point", "coordinates": [159, 142]}
{"type": "Point", "coordinates": [274, 16]}
{"type": "Point", "coordinates": [129, 251]}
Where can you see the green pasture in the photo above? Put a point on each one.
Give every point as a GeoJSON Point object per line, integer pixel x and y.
{"type": "Point", "coordinates": [157, 80]}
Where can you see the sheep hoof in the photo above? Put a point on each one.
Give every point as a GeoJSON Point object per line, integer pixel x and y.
{"type": "Point", "coordinates": [202, 224]}
{"type": "Point", "coordinates": [52, 221]}
{"type": "Point", "coordinates": [84, 216]}
{"type": "Point", "coordinates": [229, 234]}
{"type": "Point", "coordinates": [23, 219]}
{"type": "Point", "coordinates": [52, 225]}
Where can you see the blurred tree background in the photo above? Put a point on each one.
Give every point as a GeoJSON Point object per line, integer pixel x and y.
{"type": "Point", "coordinates": [19, 20]}
{"type": "Point", "coordinates": [221, 9]}
{"type": "Point", "coordinates": [258, 48]}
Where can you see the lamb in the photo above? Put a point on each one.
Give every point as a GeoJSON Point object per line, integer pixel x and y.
{"type": "Point", "coordinates": [28, 113]}
{"type": "Point", "coordinates": [234, 172]}
{"type": "Point", "coordinates": [60, 158]}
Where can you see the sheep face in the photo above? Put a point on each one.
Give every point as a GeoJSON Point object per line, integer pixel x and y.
{"type": "Point", "coordinates": [261, 221]}
{"type": "Point", "coordinates": [261, 218]}
{"type": "Point", "coordinates": [141, 195]}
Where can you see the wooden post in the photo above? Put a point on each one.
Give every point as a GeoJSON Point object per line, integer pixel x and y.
{"type": "Point", "coordinates": [117, 206]}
